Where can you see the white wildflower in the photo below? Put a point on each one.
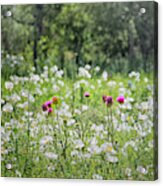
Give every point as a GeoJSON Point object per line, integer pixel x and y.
{"type": "Point", "coordinates": [71, 122]}
{"type": "Point", "coordinates": [51, 155]}
{"type": "Point", "coordinates": [144, 106]}
{"type": "Point", "coordinates": [8, 108]}
{"type": "Point", "coordinates": [134, 74]}
{"type": "Point", "coordinates": [146, 80]}
{"type": "Point", "coordinates": [45, 68]}
{"type": "Point", "coordinates": [24, 93]}
{"type": "Point", "coordinates": [33, 69]}
{"type": "Point", "coordinates": [97, 128]}
{"type": "Point", "coordinates": [77, 111]}
{"type": "Point", "coordinates": [142, 117]}
{"type": "Point", "coordinates": [121, 84]}
{"type": "Point", "coordinates": [122, 91]}
{"type": "Point", "coordinates": [83, 82]}
{"type": "Point", "coordinates": [54, 69]}
{"type": "Point", "coordinates": [2, 101]}
{"type": "Point", "coordinates": [23, 105]}
{"type": "Point", "coordinates": [75, 153]}
{"type": "Point", "coordinates": [45, 140]}
{"type": "Point", "coordinates": [84, 73]}
{"type": "Point", "coordinates": [31, 98]}
{"type": "Point", "coordinates": [111, 83]}
{"type": "Point", "coordinates": [108, 148]}
{"type": "Point", "coordinates": [142, 170]}
{"type": "Point", "coordinates": [61, 83]}
{"type": "Point", "coordinates": [56, 88]}
{"type": "Point", "coordinates": [84, 108]}
{"type": "Point", "coordinates": [34, 78]}
{"type": "Point", "coordinates": [59, 73]}
{"type": "Point", "coordinates": [92, 87]}
{"type": "Point", "coordinates": [9, 85]}
{"type": "Point", "coordinates": [51, 167]}
{"type": "Point", "coordinates": [99, 81]}
{"type": "Point", "coordinates": [9, 166]}
{"type": "Point", "coordinates": [79, 144]}
{"type": "Point", "coordinates": [128, 172]}
{"type": "Point", "coordinates": [18, 173]}
{"type": "Point", "coordinates": [105, 75]}
{"type": "Point", "coordinates": [15, 98]}
{"type": "Point", "coordinates": [112, 159]}
{"type": "Point", "coordinates": [87, 67]}
{"type": "Point", "coordinates": [87, 155]}
{"type": "Point", "coordinates": [97, 68]}
{"type": "Point", "coordinates": [97, 177]}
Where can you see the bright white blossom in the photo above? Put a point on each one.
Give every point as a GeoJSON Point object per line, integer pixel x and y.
{"type": "Point", "coordinates": [9, 85]}
{"type": "Point", "coordinates": [7, 108]}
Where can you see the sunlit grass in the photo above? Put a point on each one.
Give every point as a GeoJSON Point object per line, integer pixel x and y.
{"type": "Point", "coordinates": [81, 137]}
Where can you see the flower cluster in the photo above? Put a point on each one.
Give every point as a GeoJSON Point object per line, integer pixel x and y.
{"type": "Point", "coordinates": [47, 106]}
{"type": "Point", "coordinates": [108, 100]}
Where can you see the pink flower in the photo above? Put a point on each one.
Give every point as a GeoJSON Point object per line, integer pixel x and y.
{"type": "Point", "coordinates": [50, 110]}
{"type": "Point", "coordinates": [109, 101]}
{"type": "Point", "coordinates": [120, 99]}
{"type": "Point", "coordinates": [48, 103]}
{"type": "Point", "coordinates": [86, 94]}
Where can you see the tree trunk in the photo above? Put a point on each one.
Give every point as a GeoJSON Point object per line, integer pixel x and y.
{"type": "Point", "coordinates": [38, 27]}
{"type": "Point", "coordinates": [35, 48]}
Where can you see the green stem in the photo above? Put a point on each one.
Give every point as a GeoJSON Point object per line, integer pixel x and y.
{"type": "Point", "coordinates": [81, 94]}
{"type": "Point", "coordinates": [112, 127]}
{"type": "Point", "coordinates": [28, 139]}
{"type": "Point", "coordinates": [73, 98]}
{"type": "Point", "coordinates": [108, 122]}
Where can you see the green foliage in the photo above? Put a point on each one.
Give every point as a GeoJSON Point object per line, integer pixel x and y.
{"type": "Point", "coordinates": [107, 151]}
{"type": "Point", "coordinates": [116, 36]}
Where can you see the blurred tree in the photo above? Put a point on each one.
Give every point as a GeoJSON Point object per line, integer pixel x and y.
{"type": "Point", "coordinates": [116, 36]}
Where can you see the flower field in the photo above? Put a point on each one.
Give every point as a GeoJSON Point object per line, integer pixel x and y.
{"type": "Point", "coordinates": [91, 126]}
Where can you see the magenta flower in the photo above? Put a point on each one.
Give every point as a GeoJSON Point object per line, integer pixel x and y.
{"type": "Point", "coordinates": [109, 100]}
{"type": "Point", "coordinates": [50, 110]}
{"type": "Point", "coordinates": [86, 94]}
{"type": "Point", "coordinates": [48, 103]}
{"type": "Point", "coordinates": [120, 99]}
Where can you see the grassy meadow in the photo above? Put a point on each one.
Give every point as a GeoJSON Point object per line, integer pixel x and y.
{"type": "Point", "coordinates": [78, 135]}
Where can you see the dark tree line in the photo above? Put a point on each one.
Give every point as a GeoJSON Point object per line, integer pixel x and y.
{"type": "Point", "coordinates": [115, 36]}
